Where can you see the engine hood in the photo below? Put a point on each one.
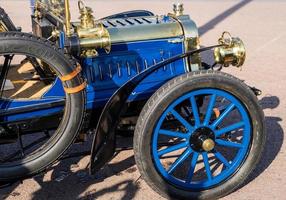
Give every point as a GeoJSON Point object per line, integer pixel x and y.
{"type": "Point", "coordinates": [148, 28]}
{"type": "Point", "coordinates": [123, 30]}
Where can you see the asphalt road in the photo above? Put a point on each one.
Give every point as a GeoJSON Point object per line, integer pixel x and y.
{"type": "Point", "coordinates": [261, 25]}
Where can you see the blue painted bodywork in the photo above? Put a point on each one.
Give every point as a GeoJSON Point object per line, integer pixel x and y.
{"type": "Point", "coordinates": [106, 73]}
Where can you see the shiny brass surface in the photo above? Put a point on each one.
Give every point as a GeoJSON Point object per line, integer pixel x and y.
{"type": "Point", "coordinates": [38, 6]}
{"type": "Point", "coordinates": [149, 28]}
{"type": "Point", "coordinates": [232, 53]}
{"type": "Point", "coordinates": [92, 34]}
{"type": "Point", "coordinates": [86, 16]}
{"type": "Point", "coordinates": [191, 40]}
{"type": "Point", "coordinates": [55, 33]}
{"type": "Point", "coordinates": [67, 18]}
{"type": "Point", "coordinates": [145, 31]}
{"type": "Point", "coordinates": [56, 8]}
{"type": "Point", "coordinates": [208, 145]}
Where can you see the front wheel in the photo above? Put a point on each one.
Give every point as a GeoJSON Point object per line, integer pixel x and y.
{"type": "Point", "coordinates": [199, 136]}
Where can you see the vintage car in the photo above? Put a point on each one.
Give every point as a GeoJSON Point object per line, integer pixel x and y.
{"type": "Point", "coordinates": [198, 132]}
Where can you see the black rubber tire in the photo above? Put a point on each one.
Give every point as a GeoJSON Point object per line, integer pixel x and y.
{"type": "Point", "coordinates": [6, 20]}
{"type": "Point", "coordinates": [22, 43]}
{"type": "Point", "coordinates": [166, 95]}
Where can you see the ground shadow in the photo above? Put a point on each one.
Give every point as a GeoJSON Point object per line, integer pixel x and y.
{"type": "Point", "coordinates": [68, 180]}
{"type": "Point", "coordinates": [216, 20]}
{"type": "Point", "coordinates": [68, 183]}
{"type": "Point", "coordinates": [275, 137]}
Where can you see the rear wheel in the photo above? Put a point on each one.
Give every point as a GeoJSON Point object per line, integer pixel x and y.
{"type": "Point", "coordinates": [36, 125]}
{"type": "Point", "coordinates": [199, 136]}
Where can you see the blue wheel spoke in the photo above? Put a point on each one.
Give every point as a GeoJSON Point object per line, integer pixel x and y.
{"type": "Point", "coordinates": [172, 148]}
{"type": "Point", "coordinates": [222, 159]}
{"type": "Point", "coordinates": [223, 115]}
{"type": "Point", "coordinates": [193, 170]}
{"type": "Point", "coordinates": [192, 167]}
{"type": "Point", "coordinates": [173, 133]}
{"type": "Point", "coordinates": [229, 128]}
{"type": "Point", "coordinates": [207, 165]}
{"type": "Point", "coordinates": [195, 111]}
{"type": "Point", "coordinates": [182, 120]}
{"type": "Point", "coordinates": [229, 144]}
{"type": "Point", "coordinates": [180, 160]}
{"type": "Point", "coordinates": [210, 110]}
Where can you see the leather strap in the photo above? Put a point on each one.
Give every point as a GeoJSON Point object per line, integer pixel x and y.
{"type": "Point", "coordinates": [75, 89]}
{"type": "Point", "coordinates": [72, 74]}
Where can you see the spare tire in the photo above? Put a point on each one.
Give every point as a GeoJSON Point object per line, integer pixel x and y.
{"type": "Point", "coordinates": [13, 43]}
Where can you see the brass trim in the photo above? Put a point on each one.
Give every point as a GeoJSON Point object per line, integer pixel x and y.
{"type": "Point", "coordinates": [150, 30]}
{"type": "Point", "coordinates": [231, 53]}
{"type": "Point", "coordinates": [72, 74]}
{"type": "Point", "coordinates": [68, 18]}
{"type": "Point", "coordinates": [39, 6]}
{"type": "Point", "coordinates": [92, 34]}
{"type": "Point", "coordinates": [75, 89]}
{"type": "Point", "coordinates": [191, 40]}
{"type": "Point", "coordinates": [208, 145]}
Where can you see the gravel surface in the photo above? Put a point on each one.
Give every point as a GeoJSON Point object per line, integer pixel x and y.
{"type": "Point", "coordinates": [261, 25]}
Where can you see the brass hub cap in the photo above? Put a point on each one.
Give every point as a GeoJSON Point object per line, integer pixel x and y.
{"type": "Point", "coordinates": [202, 140]}
{"type": "Point", "coordinates": [208, 145]}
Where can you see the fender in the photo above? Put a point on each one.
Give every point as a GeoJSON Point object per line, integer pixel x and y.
{"type": "Point", "coordinates": [104, 142]}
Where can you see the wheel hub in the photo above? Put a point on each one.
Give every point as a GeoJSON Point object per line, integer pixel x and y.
{"type": "Point", "coordinates": [208, 145]}
{"type": "Point", "coordinates": [203, 140]}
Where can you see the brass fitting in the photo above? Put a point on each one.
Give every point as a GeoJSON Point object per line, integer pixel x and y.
{"type": "Point", "coordinates": [231, 53]}
{"type": "Point", "coordinates": [86, 16]}
{"type": "Point", "coordinates": [55, 34]}
{"type": "Point", "coordinates": [92, 35]}
{"type": "Point", "coordinates": [178, 9]}
{"type": "Point", "coordinates": [208, 145]}
{"type": "Point", "coordinates": [68, 18]}
{"type": "Point", "coordinates": [37, 12]}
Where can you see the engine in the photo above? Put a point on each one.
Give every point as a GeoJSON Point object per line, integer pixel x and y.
{"type": "Point", "coordinates": [116, 48]}
{"type": "Point", "coordinates": [88, 36]}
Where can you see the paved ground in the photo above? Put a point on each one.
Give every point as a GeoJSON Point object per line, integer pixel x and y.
{"type": "Point", "coordinates": [262, 26]}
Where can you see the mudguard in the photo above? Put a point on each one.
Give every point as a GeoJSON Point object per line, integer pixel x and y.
{"type": "Point", "coordinates": [104, 142]}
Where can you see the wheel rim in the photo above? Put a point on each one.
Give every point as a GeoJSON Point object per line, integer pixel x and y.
{"type": "Point", "coordinates": [200, 150]}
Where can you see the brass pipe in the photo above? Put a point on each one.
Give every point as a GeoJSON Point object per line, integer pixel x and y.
{"type": "Point", "coordinates": [96, 43]}
{"type": "Point", "coordinates": [68, 18]}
